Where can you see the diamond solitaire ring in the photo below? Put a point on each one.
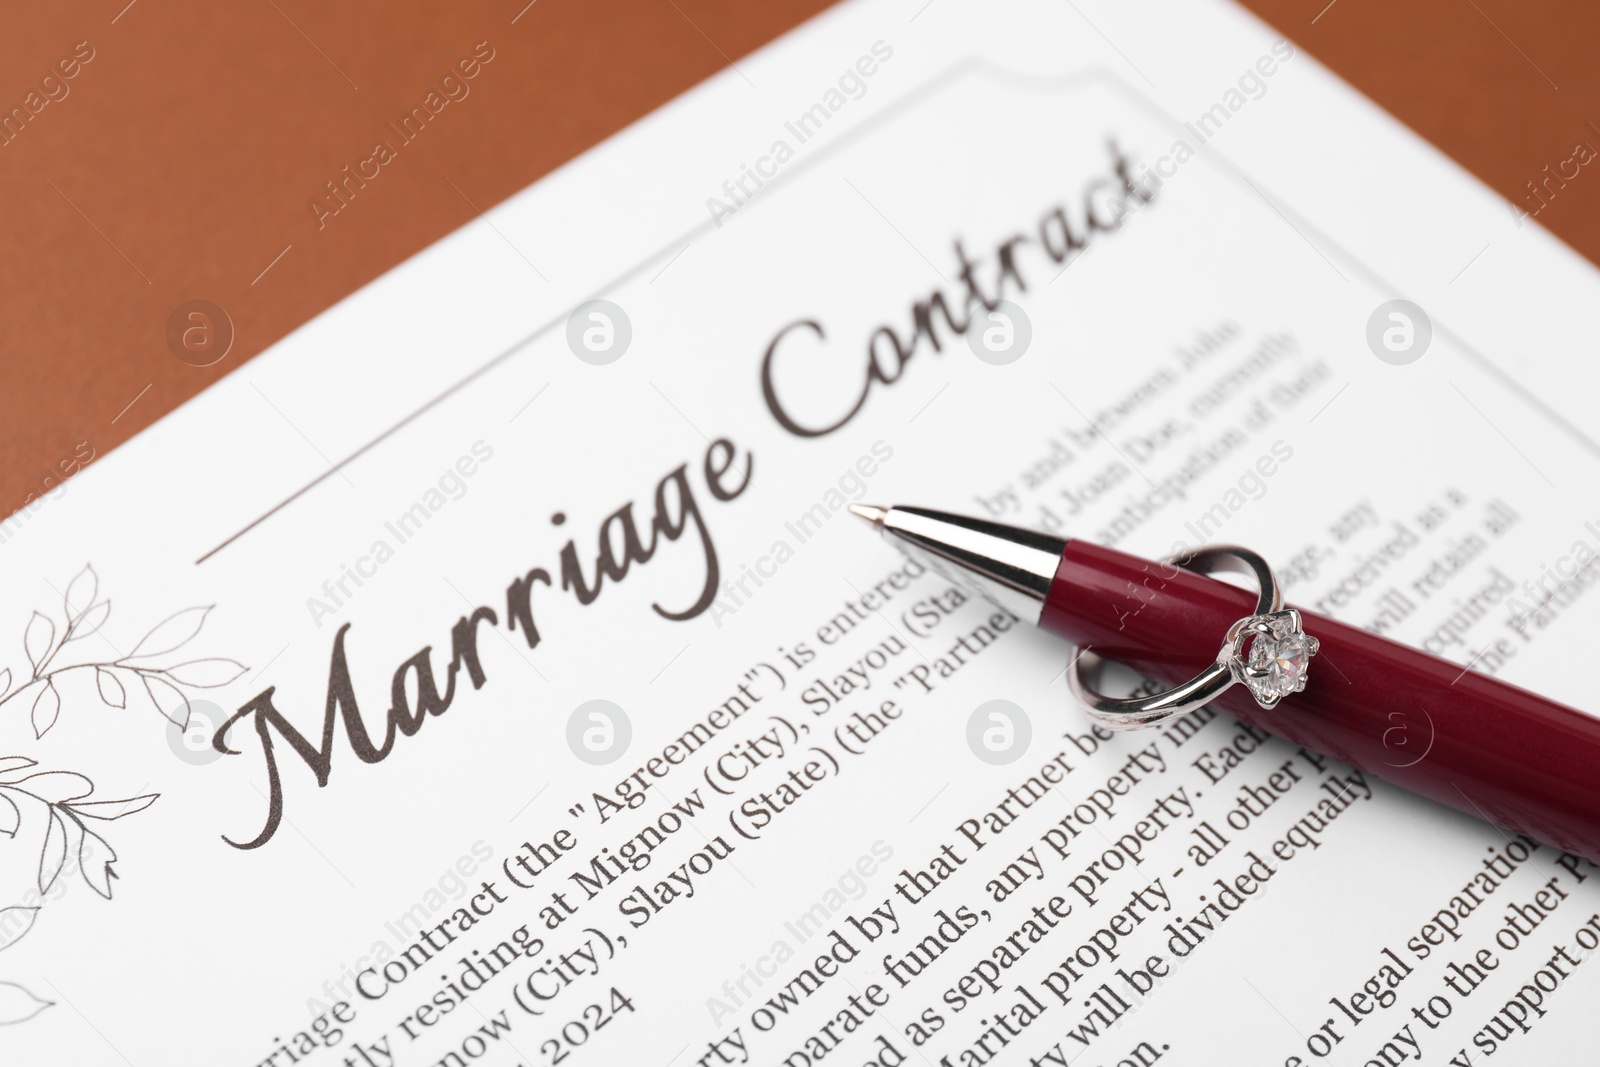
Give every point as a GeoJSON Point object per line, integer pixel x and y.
{"type": "Point", "coordinates": [1267, 652]}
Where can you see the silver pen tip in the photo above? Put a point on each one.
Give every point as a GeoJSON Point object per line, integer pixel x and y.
{"type": "Point", "coordinates": [871, 512]}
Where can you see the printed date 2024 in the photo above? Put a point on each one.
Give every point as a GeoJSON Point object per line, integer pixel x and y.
{"type": "Point", "coordinates": [594, 1018]}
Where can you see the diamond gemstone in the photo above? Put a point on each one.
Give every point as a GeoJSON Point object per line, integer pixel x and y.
{"type": "Point", "coordinates": [1279, 659]}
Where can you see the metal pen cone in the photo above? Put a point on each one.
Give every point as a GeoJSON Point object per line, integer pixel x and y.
{"type": "Point", "coordinates": [1008, 565]}
{"type": "Point", "coordinates": [871, 512]}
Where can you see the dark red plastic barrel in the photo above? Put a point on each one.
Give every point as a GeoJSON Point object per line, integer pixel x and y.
{"type": "Point", "coordinates": [1461, 738]}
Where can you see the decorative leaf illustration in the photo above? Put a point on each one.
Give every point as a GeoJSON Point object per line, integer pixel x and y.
{"type": "Point", "coordinates": [11, 766]}
{"type": "Point", "coordinates": [65, 794]}
{"type": "Point", "coordinates": [46, 706]}
{"type": "Point", "coordinates": [164, 685]}
{"type": "Point", "coordinates": [57, 787]}
{"type": "Point", "coordinates": [95, 858]}
{"type": "Point", "coordinates": [205, 673]}
{"type": "Point", "coordinates": [54, 854]}
{"type": "Point", "coordinates": [111, 690]}
{"type": "Point", "coordinates": [19, 919]}
{"type": "Point", "coordinates": [80, 594]}
{"type": "Point", "coordinates": [38, 638]}
{"type": "Point", "coordinates": [171, 633]}
{"type": "Point", "coordinates": [175, 710]}
{"type": "Point", "coordinates": [17, 1005]}
{"type": "Point", "coordinates": [91, 620]}
{"type": "Point", "coordinates": [112, 809]}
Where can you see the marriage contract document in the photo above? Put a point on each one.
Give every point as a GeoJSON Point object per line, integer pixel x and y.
{"type": "Point", "coordinates": [492, 673]}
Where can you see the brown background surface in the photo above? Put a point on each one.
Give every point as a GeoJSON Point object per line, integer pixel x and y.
{"type": "Point", "coordinates": [180, 164]}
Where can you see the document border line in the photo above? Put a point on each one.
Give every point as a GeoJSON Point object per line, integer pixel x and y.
{"type": "Point", "coordinates": [914, 98]}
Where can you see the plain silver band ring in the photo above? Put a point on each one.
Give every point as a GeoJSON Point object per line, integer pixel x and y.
{"type": "Point", "coordinates": [1137, 712]}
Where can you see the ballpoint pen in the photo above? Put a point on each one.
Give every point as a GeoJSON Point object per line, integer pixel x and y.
{"type": "Point", "coordinates": [1471, 741]}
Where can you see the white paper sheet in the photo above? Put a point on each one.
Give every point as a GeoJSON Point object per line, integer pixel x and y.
{"type": "Point", "coordinates": [791, 835]}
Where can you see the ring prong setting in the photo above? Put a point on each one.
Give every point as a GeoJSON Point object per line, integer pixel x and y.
{"type": "Point", "coordinates": [1270, 655]}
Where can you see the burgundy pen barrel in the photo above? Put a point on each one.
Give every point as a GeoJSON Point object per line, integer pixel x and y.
{"type": "Point", "coordinates": [1464, 739]}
